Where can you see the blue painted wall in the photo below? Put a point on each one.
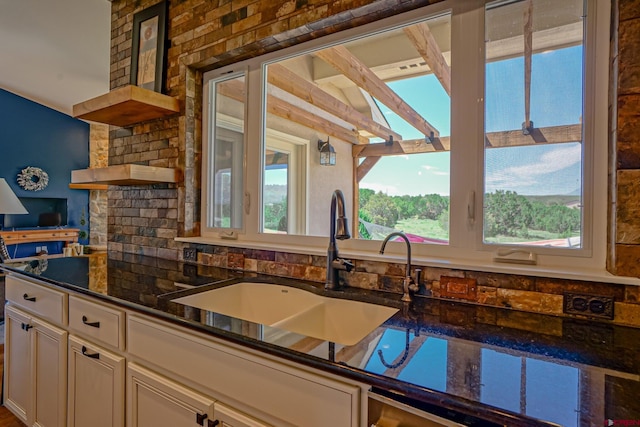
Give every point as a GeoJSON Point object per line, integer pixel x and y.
{"type": "Point", "coordinates": [34, 135]}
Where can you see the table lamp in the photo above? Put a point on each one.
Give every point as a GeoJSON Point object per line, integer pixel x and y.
{"type": "Point", "coordinates": [9, 203]}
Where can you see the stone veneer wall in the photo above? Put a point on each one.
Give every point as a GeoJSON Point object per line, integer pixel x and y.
{"type": "Point", "coordinates": [98, 157]}
{"type": "Point", "coordinates": [208, 34]}
{"type": "Point", "coordinates": [624, 140]}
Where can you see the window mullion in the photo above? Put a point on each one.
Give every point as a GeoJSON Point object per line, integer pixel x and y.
{"type": "Point", "coordinates": [467, 112]}
{"type": "Point", "coordinates": [254, 157]}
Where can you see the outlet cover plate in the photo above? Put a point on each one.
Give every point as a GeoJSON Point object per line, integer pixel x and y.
{"type": "Point", "coordinates": [589, 305]}
{"type": "Point", "coordinates": [458, 287]}
{"type": "Point", "coordinates": [190, 254]}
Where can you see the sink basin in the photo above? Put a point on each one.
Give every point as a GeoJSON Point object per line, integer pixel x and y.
{"type": "Point", "coordinates": [295, 310]}
{"type": "Point", "coordinates": [340, 321]}
{"type": "Point", "coordinates": [255, 302]}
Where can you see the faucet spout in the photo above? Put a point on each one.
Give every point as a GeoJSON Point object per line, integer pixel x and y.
{"type": "Point", "coordinates": [408, 284]}
{"type": "Point", "coordinates": [339, 229]}
{"type": "Point", "coordinates": [406, 240]}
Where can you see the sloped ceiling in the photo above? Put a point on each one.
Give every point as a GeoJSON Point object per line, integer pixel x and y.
{"type": "Point", "coordinates": [55, 52]}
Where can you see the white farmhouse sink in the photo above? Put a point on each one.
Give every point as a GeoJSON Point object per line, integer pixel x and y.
{"type": "Point", "coordinates": [341, 321]}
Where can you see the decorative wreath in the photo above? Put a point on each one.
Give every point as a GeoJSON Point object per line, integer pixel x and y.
{"type": "Point", "coordinates": [33, 179]}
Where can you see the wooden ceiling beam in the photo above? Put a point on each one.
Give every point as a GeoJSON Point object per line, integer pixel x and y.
{"type": "Point", "coordinates": [283, 78]}
{"type": "Point", "coordinates": [286, 110]}
{"type": "Point", "coordinates": [367, 164]}
{"type": "Point", "coordinates": [511, 138]}
{"type": "Point", "coordinates": [424, 42]}
{"type": "Point", "coordinates": [234, 89]}
{"type": "Point", "coordinates": [356, 71]}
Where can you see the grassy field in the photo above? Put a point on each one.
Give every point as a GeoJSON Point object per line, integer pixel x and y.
{"type": "Point", "coordinates": [423, 227]}
{"type": "Point", "coordinates": [431, 228]}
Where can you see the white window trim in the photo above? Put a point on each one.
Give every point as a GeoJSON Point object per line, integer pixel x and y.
{"type": "Point", "coordinates": [296, 148]}
{"type": "Point", "coordinates": [465, 250]}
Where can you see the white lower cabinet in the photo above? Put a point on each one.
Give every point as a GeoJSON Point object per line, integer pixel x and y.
{"type": "Point", "coordinates": [280, 393]}
{"type": "Point", "coordinates": [35, 378]}
{"type": "Point", "coordinates": [96, 385]}
{"type": "Point", "coordinates": [156, 401]}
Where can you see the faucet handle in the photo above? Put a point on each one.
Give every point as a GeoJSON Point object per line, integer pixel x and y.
{"type": "Point", "coordinates": [418, 276]}
{"type": "Point", "coordinates": [343, 264]}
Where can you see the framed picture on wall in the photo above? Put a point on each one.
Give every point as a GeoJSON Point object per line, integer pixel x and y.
{"type": "Point", "coordinates": [148, 48]}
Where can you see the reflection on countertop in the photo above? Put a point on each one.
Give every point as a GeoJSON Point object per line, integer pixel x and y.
{"type": "Point", "coordinates": [490, 362]}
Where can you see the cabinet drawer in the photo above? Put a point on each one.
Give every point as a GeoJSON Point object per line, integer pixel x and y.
{"type": "Point", "coordinates": [105, 325]}
{"type": "Point", "coordinates": [296, 396]}
{"type": "Point", "coordinates": [47, 303]}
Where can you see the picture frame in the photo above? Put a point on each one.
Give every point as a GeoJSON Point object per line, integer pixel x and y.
{"type": "Point", "coordinates": [148, 47]}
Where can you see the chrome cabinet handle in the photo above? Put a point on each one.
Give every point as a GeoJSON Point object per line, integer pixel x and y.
{"type": "Point", "coordinates": [92, 324]}
{"type": "Point", "coordinates": [28, 298]}
{"type": "Point", "coordinates": [91, 355]}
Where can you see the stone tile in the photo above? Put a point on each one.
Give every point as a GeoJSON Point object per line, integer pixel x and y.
{"type": "Point", "coordinates": [626, 260]}
{"type": "Point", "coordinates": [235, 260]}
{"type": "Point", "coordinates": [632, 294]}
{"type": "Point", "coordinates": [297, 271]}
{"type": "Point", "coordinates": [250, 264]}
{"type": "Point", "coordinates": [390, 284]}
{"type": "Point", "coordinates": [628, 153]}
{"type": "Point", "coordinates": [628, 206]}
{"type": "Point", "coordinates": [627, 314]}
{"type": "Point", "coordinates": [315, 274]}
{"type": "Point", "coordinates": [487, 295]}
{"type": "Point", "coordinates": [373, 267]}
{"type": "Point", "coordinates": [291, 258]}
{"type": "Point", "coordinates": [526, 300]}
{"type": "Point", "coordinates": [560, 286]}
{"type": "Point", "coordinates": [362, 280]}
{"type": "Point", "coordinates": [273, 268]}
{"type": "Point", "coordinates": [261, 255]}
{"type": "Point", "coordinates": [629, 62]}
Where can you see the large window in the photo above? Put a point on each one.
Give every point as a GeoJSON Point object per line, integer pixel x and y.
{"type": "Point", "coordinates": [470, 126]}
{"type": "Point", "coordinates": [534, 151]}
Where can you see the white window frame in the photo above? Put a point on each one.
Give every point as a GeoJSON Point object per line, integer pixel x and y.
{"type": "Point", "coordinates": [297, 167]}
{"type": "Point", "coordinates": [208, 136]}
{"type": "Point", "coordinates": [466, 250]}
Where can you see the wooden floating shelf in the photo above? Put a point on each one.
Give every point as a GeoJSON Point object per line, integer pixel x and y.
{"type": "Point", "coordinates": [127, 106]}
{"type": "Point", "coordinates": [89, 186]}
{"type": "Point", "coordinates": [130, 174]}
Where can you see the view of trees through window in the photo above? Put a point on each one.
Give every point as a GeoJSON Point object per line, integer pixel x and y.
{"type": "Point", "coordinates": [532, 168]}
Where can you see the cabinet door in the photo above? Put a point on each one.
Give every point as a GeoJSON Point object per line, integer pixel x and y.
{"type": "Point", "coordinates": [96, 386]}
{"type": "Point", "coordinates": [49, 353]}
{"type": "Point", "coordinates": [229, 417]}
{"type": "Point", "coordinates": [35, 370]}
{"type": "Point", "coordinates": [17, 363]}
{"type": "Point", "coordinates": [157, 401]}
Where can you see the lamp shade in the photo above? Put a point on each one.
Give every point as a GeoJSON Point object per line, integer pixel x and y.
{"type": "Point", "coordinates": [9, 203]}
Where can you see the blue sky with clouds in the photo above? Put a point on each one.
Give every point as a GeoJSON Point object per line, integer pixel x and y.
{"type": "Point", "coordinates": [556, 93]}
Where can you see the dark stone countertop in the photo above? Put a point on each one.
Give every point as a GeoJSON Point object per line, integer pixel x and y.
{"type": "Point", "coordinates": [473, 364]}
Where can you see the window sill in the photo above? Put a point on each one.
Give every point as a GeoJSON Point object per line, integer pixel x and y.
{"type": "Point", "coordinates": [570, 273]}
